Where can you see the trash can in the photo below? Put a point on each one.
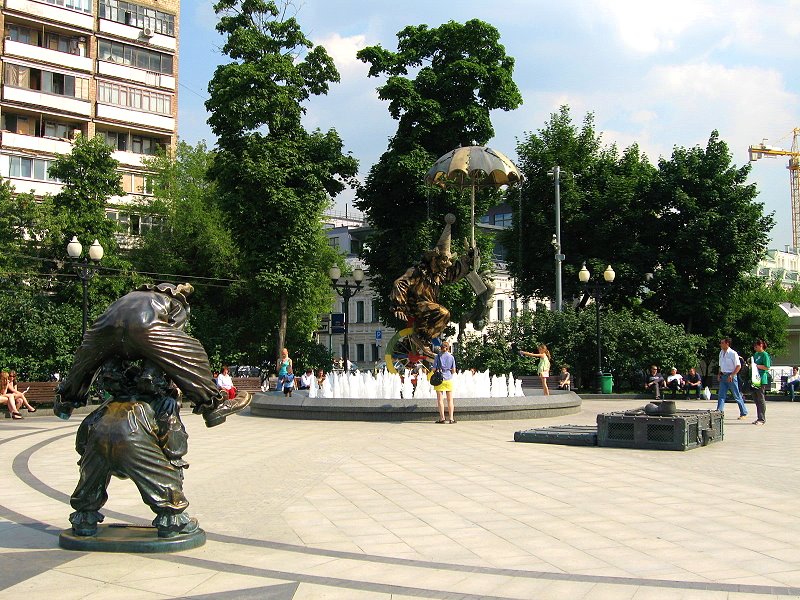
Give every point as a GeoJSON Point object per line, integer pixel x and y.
{"type": "Point", "coordinates": [606, 383]}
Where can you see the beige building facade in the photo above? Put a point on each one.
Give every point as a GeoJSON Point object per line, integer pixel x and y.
{"type": "Point", "coordinates": [88, 67]}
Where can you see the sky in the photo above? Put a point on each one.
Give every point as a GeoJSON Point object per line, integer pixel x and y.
{"type": "Point", "coordinates": [654, 73]}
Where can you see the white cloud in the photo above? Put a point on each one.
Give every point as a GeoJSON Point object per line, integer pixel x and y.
{"type": "Point", "coordinates": [343, 51]}
{"type": "Point", "coordinates": [648, 27]}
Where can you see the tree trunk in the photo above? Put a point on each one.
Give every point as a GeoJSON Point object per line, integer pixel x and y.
{"type": "Point", "coordinates": [284, 316]}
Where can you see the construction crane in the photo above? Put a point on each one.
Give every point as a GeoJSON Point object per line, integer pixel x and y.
{"type": "Point", "coordinates": [761, 151]}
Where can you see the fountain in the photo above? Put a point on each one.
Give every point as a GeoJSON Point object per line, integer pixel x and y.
{"type": "Point", "coordinates": [392, 397]}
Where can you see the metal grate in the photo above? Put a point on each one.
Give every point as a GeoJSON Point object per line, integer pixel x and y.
{"type": "Point", "coordinates": [660, 432]}
{"type": "Point", "coordinates": [620, 431]}
{"type": "Point", "coordinates": [694, 432]}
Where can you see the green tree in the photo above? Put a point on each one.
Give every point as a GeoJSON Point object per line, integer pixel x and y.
{"type": "Point", "coordinates": [461, 73]}
{"type": "Point", "coordinates": [711, 235]}
{"type": "Point", "coordinates": [607, 216]}
{"type": "Point", "coordinates": [274, 178]}
{"type": "Point", "coordinates": [193, 243]}
{"type": "Point", "coordinates": [90, 179]}
{"type": "Point", "coordinates": [42, 312]}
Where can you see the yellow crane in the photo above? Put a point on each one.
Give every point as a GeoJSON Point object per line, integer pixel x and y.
{"type": "Point", "coordinates": [761, 151]}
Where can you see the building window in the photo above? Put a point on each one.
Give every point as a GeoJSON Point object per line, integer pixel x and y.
{"type": "Point", "coordinates": [78, 5]}
{"type": "Point", "coordinates": [138, 16]}
{"type": "Point", "coordinates": [30, 168]}
{"type": "Point", "coordinates": [376, 353]}
{"type": "Point", "coordinates": [138, 144]}
{"type": "Point", "coordinates": [135, 224]}
{"type": "Point", "coordinates": [503, 219]}
{"type": "Point", "coordinates": [133, 97]}
{"type": "Point", "coordinates": [333, 242]}
{"type": "Point", "coordinates": [117, 140]}
{"type": "Point", "coordinates": [47, 81]}
{"type": "Point", "coordinates": [501, 310]}
{"type": "Point", "coordinates": [375, 312]}
{"type": "Point", "coordinates": [360, 317]}
{"type": "Point", "coordinates": [59, 130]}
{"type": "Point", "coordinates": [355, 246]}
{"type": "Point", "coordinates": [134, 56]}
{"type": "Point", "coordinates": [19, 124]}
{"type": "Point", "coordinates": [513, 308]}
{"type": "Point", "coordinates": [360, 352]}
{"type": "Point", "coordinates": [136, 183]}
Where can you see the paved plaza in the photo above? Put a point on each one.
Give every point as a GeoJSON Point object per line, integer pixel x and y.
{"type": "Point", "coordinates": [355, 510]}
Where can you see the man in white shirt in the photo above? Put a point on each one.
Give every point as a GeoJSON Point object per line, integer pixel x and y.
{"type": "Point", "coordinates": [793, 383]}
{"type": "Point", "coordinates": [305, 380]}
{"type": "Point", "coordinates": [729, 366]}
{"type": "Point", "coordinates": [675, 381]}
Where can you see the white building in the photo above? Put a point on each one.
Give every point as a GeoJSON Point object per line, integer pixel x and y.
{"type": "Point", "coordinates": [782, 266]}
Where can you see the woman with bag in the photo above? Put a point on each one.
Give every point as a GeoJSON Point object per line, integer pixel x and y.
{"type": "Point", "coordinates": [442, 379]}
{"type": "Point", "coordinates": [759, 374]}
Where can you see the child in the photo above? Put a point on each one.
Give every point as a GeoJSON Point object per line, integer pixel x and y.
{"type": "Point", "coordinates": [543, 355]}
{"type": "Point", "coordinates": [288, 382]}
{"type": "Point", "coordinates": [564, 381]}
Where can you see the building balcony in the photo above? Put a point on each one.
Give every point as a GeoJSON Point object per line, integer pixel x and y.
{"type": "Point", "coordinates": [134, 75]}
{"type": "Point", "coordinates": [135, 117]}
{"type": "Point", "coordinates": [134, 34]}
{"type": "Point", "coordinates": [51, 101]}
{"type": "Point", "coordinates": [52, 13]}
{"type": "Point", "coordinates": [130, 158]}
{"type": "Point", "coordinates": [53, 57]}
{"type": "Point", "coordinates": [38, 145]}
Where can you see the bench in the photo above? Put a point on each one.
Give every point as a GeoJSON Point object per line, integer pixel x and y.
{"type": "Point", "coordinates": [40, 392]}
{"type": "Point", "coordinates": [534, 382]}
{"type": "Point", "coordinates": [247, 384]}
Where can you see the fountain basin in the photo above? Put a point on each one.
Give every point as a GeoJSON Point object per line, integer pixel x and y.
{"type": "Point", "coordinates": [533, 405]}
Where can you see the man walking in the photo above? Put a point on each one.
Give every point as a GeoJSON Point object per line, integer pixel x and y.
{"type": "Point", "coordinates": [729, 366]}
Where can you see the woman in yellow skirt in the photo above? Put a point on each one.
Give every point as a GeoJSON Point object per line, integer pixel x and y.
{"type": "Point", "coordinates": [445, 363]}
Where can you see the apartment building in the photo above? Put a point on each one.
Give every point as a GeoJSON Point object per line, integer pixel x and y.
{"type": "Point", "coordinates": [89, 67]}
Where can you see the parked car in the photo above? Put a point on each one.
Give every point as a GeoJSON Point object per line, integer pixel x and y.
{"type": "Point", "coordinates": [248, 371]}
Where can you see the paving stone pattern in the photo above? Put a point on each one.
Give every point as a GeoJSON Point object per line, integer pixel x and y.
{"type": "Point", "coordinates": [357, 510]}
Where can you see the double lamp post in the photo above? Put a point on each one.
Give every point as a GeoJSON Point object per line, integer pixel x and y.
{"type": "Point", "coordinates": [346, 289]}
{"type": "Point", "coordinates": [85, 270]}
{"type": "Point", "coordinates": [597, 288]}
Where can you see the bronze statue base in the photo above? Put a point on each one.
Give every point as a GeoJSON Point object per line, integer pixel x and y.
{"type": "Point", "coordinates": [137, 539]}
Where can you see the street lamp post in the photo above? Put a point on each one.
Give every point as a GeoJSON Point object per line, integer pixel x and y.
{"type": "Point", "coordinates": [347, 289]}
{"type": "Point", "coordinates": [85, 270]}
{"type": "Point", "coordinates": [597, 288]}
{"type": "Point", "coordinates": [555, 173]}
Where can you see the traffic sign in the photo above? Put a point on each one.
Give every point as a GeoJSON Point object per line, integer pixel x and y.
{"type": "Point", "coordinates": [378, 334]}
{"type": "Point", "coordinates": [337, 322]}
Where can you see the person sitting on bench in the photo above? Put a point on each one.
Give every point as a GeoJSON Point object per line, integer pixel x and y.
{"type": "Point", "coordinates": [675, 381]}
{"type": "Point", "coordinates": [793, 383]}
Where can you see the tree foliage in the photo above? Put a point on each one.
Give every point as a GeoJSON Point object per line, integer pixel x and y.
{"type": "Point", "coordinates": [41, 309]}
{"type": "Point", "coordinates": [461, 73]}
{"type": "Point", "coordinates": [606, 211]}
{"type": "Point", "coordinates": [631, 340]}
{"type": "Point", "coordinates": [683, 237]}
{"type": "Point", "coordinates": [271, 174]}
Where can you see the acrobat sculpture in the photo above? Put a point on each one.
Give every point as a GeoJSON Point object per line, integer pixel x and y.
{"type": "Point", "coordinates": [415, 294]}
{"type": "Point", "coordinates": [143, 361]}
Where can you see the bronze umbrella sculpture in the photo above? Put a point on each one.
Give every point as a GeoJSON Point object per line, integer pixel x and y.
{"type": "Point", "coordinates": [473, 167]}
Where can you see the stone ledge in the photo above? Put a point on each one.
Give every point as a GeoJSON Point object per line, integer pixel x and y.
{"type": "Point", "coordinates": [424, 409]}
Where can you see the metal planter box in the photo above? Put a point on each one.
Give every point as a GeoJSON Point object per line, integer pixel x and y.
{"type": "Point", "coordinates": [685, 430]}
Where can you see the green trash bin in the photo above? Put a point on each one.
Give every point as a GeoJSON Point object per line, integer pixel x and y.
{"type": "Point", "coordinates": [606, 383]}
